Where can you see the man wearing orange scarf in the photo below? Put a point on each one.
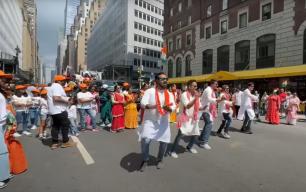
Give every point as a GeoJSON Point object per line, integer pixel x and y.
{"type": "Point", "coordinates": [158, 103]}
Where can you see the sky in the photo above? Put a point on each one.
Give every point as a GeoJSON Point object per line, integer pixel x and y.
{"type": "Point", "coordinates": [50, 18]}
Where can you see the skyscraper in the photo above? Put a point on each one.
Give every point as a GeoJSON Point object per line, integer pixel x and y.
{"type": "Point", "coordinates": [70, 12]}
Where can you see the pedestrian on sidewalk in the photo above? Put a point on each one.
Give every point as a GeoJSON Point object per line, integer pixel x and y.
{"type": "Point", "coordinates": [225, 111]}
{"type": "Point", "coordinates": [209, 103]}
{"type": "Point", "coordinates": [188, 119]}
{"type": "Point", "coordinates": [246, 111]}
{"type": "Point", "coordinates": [158, 104]}
{"type": "Point", "coordinates": [58, 102]}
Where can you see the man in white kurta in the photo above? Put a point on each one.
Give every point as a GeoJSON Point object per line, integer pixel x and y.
{"type": "Point", "coordinates": [155, 125]}
{"type": "Point", "coordinates": [188, 119]}
{"type": "Point", "coordinates": [246, 110]}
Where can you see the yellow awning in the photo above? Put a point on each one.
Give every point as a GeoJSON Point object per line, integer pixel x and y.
{"type": "Point", "coordinates": [223, 76]}
{"type": "Point", "coordinates": [198, 78]}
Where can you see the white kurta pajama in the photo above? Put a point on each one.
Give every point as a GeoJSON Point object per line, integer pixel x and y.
{"type": "Point", "coordinates": [247, 100]}
{"type": "Point", "coordinates": [154, 125]}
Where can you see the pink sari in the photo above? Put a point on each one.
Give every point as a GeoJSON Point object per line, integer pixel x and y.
{"type": "Point", "coordinates": [292, 110]}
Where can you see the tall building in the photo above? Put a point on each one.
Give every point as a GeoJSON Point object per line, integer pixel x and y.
{"type": "Point", "coordinates": [127, 35]}
{"type": "Point", "coordinates": [70, 12]}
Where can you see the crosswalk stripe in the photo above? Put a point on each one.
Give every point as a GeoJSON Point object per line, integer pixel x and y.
{"type": "Point", "coordinates": [86, 156]}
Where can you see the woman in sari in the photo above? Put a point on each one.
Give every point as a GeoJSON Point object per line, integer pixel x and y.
{"type": "Point", "coordinates": [130, 111]}
{"type": "Point", "coordinates": [117, 110]}
{"type": "Point", "coordinates": [272, 115]}
{"type": "Point", "coordinates": [293, 108]}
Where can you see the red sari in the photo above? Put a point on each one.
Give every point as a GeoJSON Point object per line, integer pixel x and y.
{"type": "Point", "coordinates": [118, 112]}
{"type": "Point", "coordinates": [272, 115]}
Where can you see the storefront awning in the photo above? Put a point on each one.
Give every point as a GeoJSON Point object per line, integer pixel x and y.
{"type": "Point", "coordinates": [291, 71]}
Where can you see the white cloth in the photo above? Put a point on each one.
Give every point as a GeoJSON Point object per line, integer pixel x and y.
{"type": "Point", "coordinates": [247, 100]}
{"type": "Point", "coordinates": [36, 102]}
{"type": "Point", "coordinates": [72, 112]}
{"type": "Point", "coordinates": [154, 125]}
{"type": "Point", "coordinates": [3, 110]}
{"type": "Point", "coordinates": [191, 127]}
{"type": "Point", "coordinates": [21, 100]}
{"type": "Point", "coordinates": [86, 95]}
{"type": "Point", "coordinates": [207, 99]}
{"type": "Point", "coordinates": [43, 106]}
{"type": "Point", "coordinates": [56, 107]}
{"type": "Point", "coordinates": [238, 96]}
{"type": "Point", "coordinates": [222, 105]}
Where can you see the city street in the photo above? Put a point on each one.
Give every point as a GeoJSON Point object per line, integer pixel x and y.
{"type": "Point", "coordinates": [272, 160]}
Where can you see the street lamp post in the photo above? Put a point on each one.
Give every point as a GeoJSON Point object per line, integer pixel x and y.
{"type": "Point", "coordinates": [17, 60]}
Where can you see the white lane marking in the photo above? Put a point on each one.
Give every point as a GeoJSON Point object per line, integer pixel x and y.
{"type": "Point", "coordinates": [86, 156]}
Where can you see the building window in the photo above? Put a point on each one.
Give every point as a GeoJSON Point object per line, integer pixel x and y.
{"type": "Point", "coordinates": [170, 45]}
{"type": "Point", "coordinates": [171, 12]}
{"type": "Point", "coordinates": [188, 39]}
{"type": "Point", "coordinates": [266, 11]}
{"type": "Point", "coordinates": [135, 49]}
{"type": "Point", "coordinates": [189, 3]}
{"type": "Point", "coordinates": [188, 66]}
{"type": "Point", "coordinates": [208, 11]}
{"type": "Point", "coordinates": [189, 20]}
{"type": "Point", "coordinates": [304, 48]}
{"type": "Point", "coordinates": [224, 4]}
{"type": "Point", "coordinates": [178, 43]}
{"type": "Point", "coordinates": [136, 13]}
{"type": "Point", "coordinates": [170, 68]}
{"type": "Point", "coordinates": [140, 3]}
{"type": "Point", "coordinates": [207, 61]}
{"type": "Point", "coordinates": [265, 56]}
{"type": "Point", "coordinates": [144, 5]}
{"type": "Point", "coordinates": [243, 20]}
{"type": "Point", "coordinates": [179, 24]}
{"type": "Point", "coordinates": [136, 25]}
{"type": "Point", "coordinates": [178, 67]}
{"type": "Point", "coordinates": [223, 26]}
{"type": "Point", "coordinates": [223, 58]}
{"type": "Point", "coordinates": [242, 55]}
{"type": "Point", "coordinates": [179, 7]}
{"type": "Point", "coordinates": [208, 32]}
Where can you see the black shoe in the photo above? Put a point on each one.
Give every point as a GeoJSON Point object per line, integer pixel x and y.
{"type": "Point", "coordinates": [143, 166]}
{"type": "Point", "coordinates": [159, 165]}
{"type": "Point", "coordinates": [248, 132]}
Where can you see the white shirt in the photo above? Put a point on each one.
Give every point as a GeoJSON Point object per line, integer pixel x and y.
{"type": "Point", "coordinates": [190, 127]}
{"type": "Point", "coordinates": [86, 95]}
{"type": "Point", "coordinates": [72, 112]}
{"type": "Point", "coordinates": [247, 100]}
{"type": "Point", "coordinates": [56, 107]}
{"type": "Point", "coordinates": [21, 100]}
{"type": "Point", "coordinates": [222, 105]}
{"type": "Point", "coordinates": [36, 101]}
{"type": "Point", "coordinates": [44, 106]}
{"type": "Point", "coordinates": [3, 110]}
{"type": "Point", "coordinates": [155, 126]}
{"type": "Point", "coordinates": [237, 96]}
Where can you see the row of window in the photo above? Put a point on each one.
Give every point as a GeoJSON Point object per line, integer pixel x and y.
{"type": "Point", "coordinates": [147, 52]}
{"type": "Point", "coordinates": [179, 64]}
{"type": "Point", "coordinates": [146, 63]}
{"type": "Point", "coordinates": [179, 8]}
{"type": "Point", "coordinates": [149, 41]}
{"type": "Point", "coordinates": [178, 42]}
{"type": "Point", "coordinates": [147, 29]}
{"type": "Point", "coordinates": [149, 7]}
{"type": "Point", "coordinates": [149, 18]}
{"type": "Point", "coordinates": [265, 57]}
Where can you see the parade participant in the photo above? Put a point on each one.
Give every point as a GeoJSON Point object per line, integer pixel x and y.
{"type": "Point", "coordinates": [21, 103]}
{"type": "Point", "coordinates": [117, 110]}
{"type": "Point", "coordinates": [225, 110]}
{"type": "Point", "coordinates": [58, 102]}
{"type": "Point", "coordinates": [158, 104]}
{"type": "Point", "coordinates": [141, 93]}
{"type": "Point", "coordinates": [263, 103]}
{"type": "Point", "coordinates": [34, 109]}
{"type": "Point", "coordinates": [130, 111]}
{"type": "Point", "coordinates": [176, 99]}
{"type": "Point", "coordinates": [42, 133]}
{"type": "Point", "coordinates": [237, 101]}
{"type": "Point", "coordinates": [282, 95]}
{"type": "Point", "coordinates": [94, 105]}
{"type": "Point", "coordinates": [274, 103]}
{"type": "Point", "coordinates": [188, 119]}
{"type": "Point", "coordinates": [4, 158]}
{"type": "Point", "coordinates": [246, 111]}
{"type": "Point", "coordinates": [85, 99]}
{"type": "Point", "coordinates": [209, 103]}
{"type": "Point", "coordinates": [106, 107]}
{"type": "Point", "coordinates": [72, 116]}
{"type": "Point", "coordinates": [292, 109]}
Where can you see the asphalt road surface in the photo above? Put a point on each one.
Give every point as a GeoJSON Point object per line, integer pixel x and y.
{"type": "Point", "coordinates": [273, 159]}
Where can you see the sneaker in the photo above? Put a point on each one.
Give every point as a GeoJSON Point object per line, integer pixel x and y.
{"type": "Point", "coordinates": [174, 155]}
{"type": "Point", "coordinates": [220, 135]}
{"type": "Point", "coordinates": [16, 135]}
{"type": "Point", "coordinates": [143, 166]}
{"type": "Point", "coordinates": [102, 125]}
{"type": "Point", "coordinates": [95, 130]}
{"type": "Point", "coordinates": [27, 133]}
{"type": "Point", "coordinates": [205, 146]}
{"type": "Point", "coordinates": [54, 146]}
{"type": "Point", "coordinates": [226, 136]}
{"type": "Point", "coordinates": [77, 134]}
{"type": "Point", "coordinates": [112, 131]}
{"type": "Point", "coordinates": [68, 144]}
{"type": "Point", "coordinates": [34, 127]}
{"type": "Point", "coordinates": [2, 184]}
{"type": "Point", "coordinates": [109, 125]}
{"type": "Point", "coordinates": [159, 165]}
{"type": "Point", "coordinates": [192, 150]}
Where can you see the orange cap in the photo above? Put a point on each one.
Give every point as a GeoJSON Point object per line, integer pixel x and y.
{"type": "Point", "coordinates": [59, 78]}
{"type": "Point", "coordinates": [4, 75]}
{"type": "Point", "coordinates": [35, 91]}
{"type": "Point", "coordinates": [20, 87]}
{"type": "Point", "coordinates": [67, 89]}
{"type": "Point", "coordinates": [44, 92]}
{"type": "Point", "coordinates": [125, 84]}
{"type": "Point", "coordinates": [83, 86]}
